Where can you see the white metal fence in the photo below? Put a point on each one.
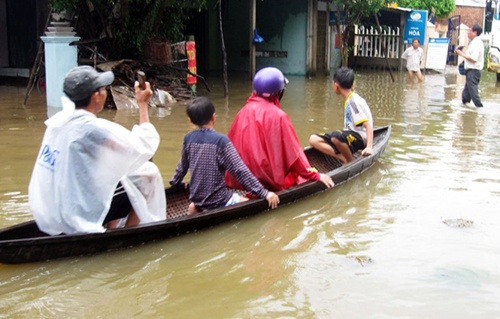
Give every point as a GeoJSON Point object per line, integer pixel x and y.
{"type": "Point", "coordinates": [367, 42]}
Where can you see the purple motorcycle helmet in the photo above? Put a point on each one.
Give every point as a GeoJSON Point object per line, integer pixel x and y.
{"type": "Point", "coordinates": [269, 82]}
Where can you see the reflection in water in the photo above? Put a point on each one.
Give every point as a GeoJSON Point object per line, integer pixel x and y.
{"type": "Point", "coordinates": [263, 268]}
{"type": "Point", "coordinates": [442, 163]}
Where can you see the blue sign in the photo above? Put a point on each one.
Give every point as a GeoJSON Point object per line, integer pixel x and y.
{"type": "Point", "coordinates": [439, 40]}
{"type": "Point", "coordinates": [415, 26]}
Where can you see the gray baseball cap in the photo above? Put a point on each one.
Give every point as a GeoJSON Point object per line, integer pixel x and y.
{"type": "Point", "coordinates": [82, 81]}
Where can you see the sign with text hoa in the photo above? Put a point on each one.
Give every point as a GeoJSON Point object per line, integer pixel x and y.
{"type": "Point", "coordinates": [415, 26]}
{"type": "Point", "coordinates": [437, 53]}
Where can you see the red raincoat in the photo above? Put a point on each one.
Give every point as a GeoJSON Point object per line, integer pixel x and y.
{"type": "Point", "coordinates": [265, 139]}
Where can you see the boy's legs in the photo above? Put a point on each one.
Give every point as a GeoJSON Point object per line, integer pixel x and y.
{"type": "Point", "coordinates": [193, 210]}
{"type": "Point", "coordinates": [344, 150]}
{"type": "Point", "coordinates": [235, 199]}
{"type": "Point", "coordinates": [319, 143]}
{"type": "Point", "coordinates": [243, 199]}
{"type": "Point", "coordinates": [347, 143]}
{"type": "Point", "coordinates": [340, 144]}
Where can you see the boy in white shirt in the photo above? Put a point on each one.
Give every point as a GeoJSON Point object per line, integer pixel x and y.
{"type": "Point", "coordinates": [358, 123]}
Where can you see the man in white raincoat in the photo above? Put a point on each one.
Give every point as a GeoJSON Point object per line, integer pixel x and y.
{"type": "Point", "coordinates": [87, 165]}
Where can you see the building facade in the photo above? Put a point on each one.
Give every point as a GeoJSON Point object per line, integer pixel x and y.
{"type": "Point", "coordinates": [21, 25]}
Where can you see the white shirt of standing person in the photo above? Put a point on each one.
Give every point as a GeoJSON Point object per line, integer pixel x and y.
{"type": "Point", "coordinates": [476, 51]}
{"type": "Point", "coordinates": [413, 58]}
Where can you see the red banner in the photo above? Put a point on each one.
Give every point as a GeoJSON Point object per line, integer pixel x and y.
{"type": "Point", "coordinates": [191, 55]}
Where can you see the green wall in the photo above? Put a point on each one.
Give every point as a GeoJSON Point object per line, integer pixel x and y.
{"type": "Point", "coordinates": [282, 24]}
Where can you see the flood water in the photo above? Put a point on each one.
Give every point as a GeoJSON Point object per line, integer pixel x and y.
{"type": "Point", "coordinates": [374, 247]}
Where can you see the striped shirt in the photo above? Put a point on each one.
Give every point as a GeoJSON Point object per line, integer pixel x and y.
{"type": "Point", "coordinates": [208, 154]}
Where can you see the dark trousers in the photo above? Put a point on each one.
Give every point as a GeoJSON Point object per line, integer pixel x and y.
{"type": "Point", "coordinates": [472, 78]}
{"type": "Point", "coordinates": [120, 205]}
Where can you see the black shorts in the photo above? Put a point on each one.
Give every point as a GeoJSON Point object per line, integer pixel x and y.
{"type": "Point", "coordinates": [351, 138]}
{"type": "Point", "coordinates": [120, 205]}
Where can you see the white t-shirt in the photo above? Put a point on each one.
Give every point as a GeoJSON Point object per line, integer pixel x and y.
{"type": "Point", "coordinates": [356, 113]}
{"type": "Point", "coordinates": [413, 57]}
{"type": "Point", "coordinates": [476, 51]}
{"type": "Point", "coordinates": [81, 160]}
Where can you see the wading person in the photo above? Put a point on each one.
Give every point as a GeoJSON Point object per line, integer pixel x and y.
{"type": "Point", "coordinates": [413, 57]}
{"type": "Point", "coordinates": [358, 123]}
{"type": "Point", "coordinates": [88, 167]}
{"type": "Point", "coordinates": [208, 154]}
{"type": "Point", "coordinates": [474, 63]}
{"type": "Point", "coordinates": [265, 139]}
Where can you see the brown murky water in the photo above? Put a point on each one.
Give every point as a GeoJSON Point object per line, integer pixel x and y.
{"type": "Point", "coordinates": [443, 162]}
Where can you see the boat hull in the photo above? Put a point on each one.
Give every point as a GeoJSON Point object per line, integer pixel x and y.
{"type": "Point", "coordinates": [25, 243]}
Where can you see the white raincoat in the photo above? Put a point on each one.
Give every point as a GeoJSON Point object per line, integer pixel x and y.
{"type": "Point", "coordinates": [81, 161]}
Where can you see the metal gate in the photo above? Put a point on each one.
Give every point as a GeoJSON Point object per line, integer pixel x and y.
{"type": "Point", "coordinates": [454, 35]}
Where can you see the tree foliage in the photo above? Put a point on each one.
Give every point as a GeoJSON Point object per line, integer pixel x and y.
{"type": "Point", "coordinates": [355, 12]}
{"type": "Point", "coordinates": [127, 23]}
{"type": "Point", "coordinates": [441, 8]}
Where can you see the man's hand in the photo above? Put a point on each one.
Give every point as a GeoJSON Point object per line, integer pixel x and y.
{"type": "Point", "coordinates": [465, 56]}
{"type": "Point", "coordinates": [142, 96]}
{"type": "Point", "coordinates": [272, 199]}
{"type": "Point", "coordinates": [367, 151]}
{"type": "Point", "coordinates": [327, 180]}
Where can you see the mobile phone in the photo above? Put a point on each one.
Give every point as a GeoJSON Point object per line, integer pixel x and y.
{"type": "Point", "coordinates": [141, 78]}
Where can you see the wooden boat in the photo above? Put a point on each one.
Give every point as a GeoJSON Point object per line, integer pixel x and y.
{"type": "Point", "coordinates": [25, 243]}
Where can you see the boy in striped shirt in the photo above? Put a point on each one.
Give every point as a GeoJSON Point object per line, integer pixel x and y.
{"type": "Point", "coordinates": [208, 154]}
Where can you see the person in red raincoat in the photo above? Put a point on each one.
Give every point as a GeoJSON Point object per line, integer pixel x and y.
{"type": "Point", "coordinates": [265, 139]}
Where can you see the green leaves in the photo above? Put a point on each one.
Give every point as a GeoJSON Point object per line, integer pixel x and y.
{"type": "Point", "coordinates": [442, 8]}
{"type": "Point", "coordinates": [128, 22]}
{"type": "Point", "coordinates": [60, 5]}
{"type": "Point", "coordinates": [355, 11]}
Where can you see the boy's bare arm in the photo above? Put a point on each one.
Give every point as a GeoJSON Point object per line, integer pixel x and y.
{"type": "Point", "coordinates": [369, 139]}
